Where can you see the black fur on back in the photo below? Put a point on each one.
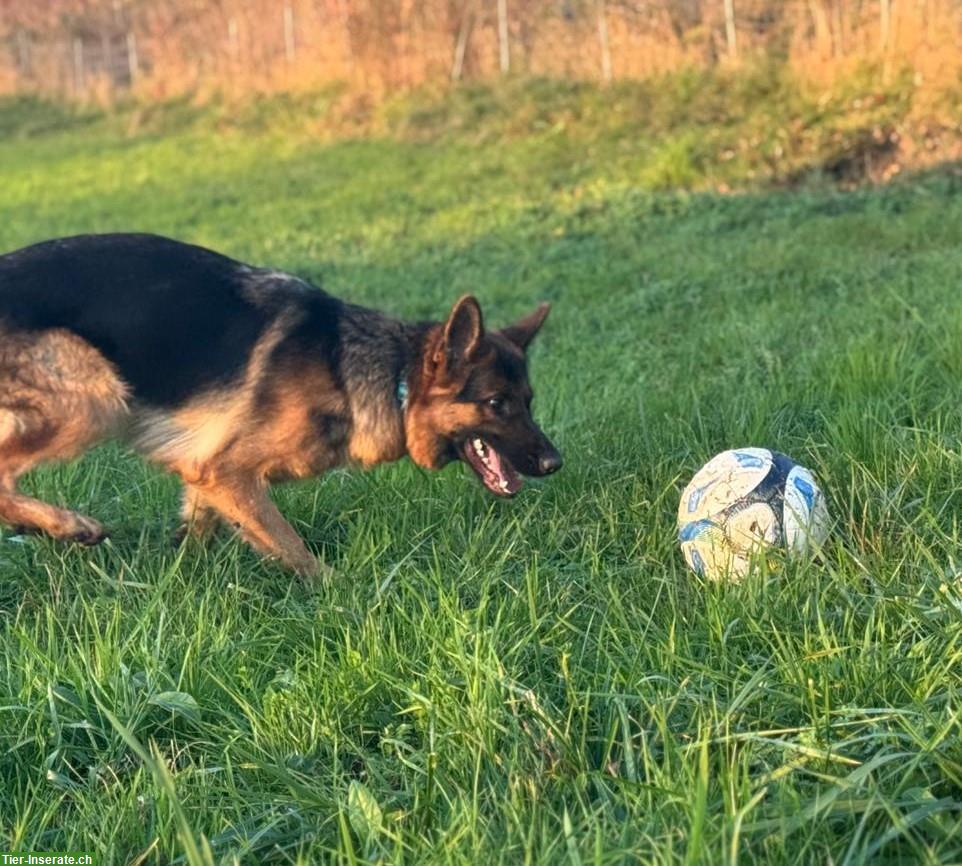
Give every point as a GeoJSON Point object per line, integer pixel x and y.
{"type": "Point", "coordinates": [174, 319]}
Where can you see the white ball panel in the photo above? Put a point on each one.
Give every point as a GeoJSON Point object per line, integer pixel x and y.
{"type": "Point", "coordinates": [805, 515]}
{"type": "Point", "coordinates": [727, 477]}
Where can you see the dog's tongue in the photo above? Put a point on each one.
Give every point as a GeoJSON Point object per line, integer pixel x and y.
{"type": "Point", "coordinates": [508, 481]}
{"type": "Point", "coordinates": [496, 472]}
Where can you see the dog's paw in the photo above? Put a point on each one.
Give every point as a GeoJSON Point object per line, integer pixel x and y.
{"type": "Point", "coordinates": [179, 535]}
{"type": "Point", "coordinates": [311, 569]}
{"type": "Point", "coordinates": [86, 531]}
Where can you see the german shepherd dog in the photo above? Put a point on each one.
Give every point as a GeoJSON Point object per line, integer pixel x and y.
{"type": "Point", "coordinates": [234, 377]}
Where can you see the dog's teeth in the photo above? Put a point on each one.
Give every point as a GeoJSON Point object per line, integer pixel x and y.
{"type": "Point", "coordinates": [504, 484]}
{"type": "Point", "coordinates": [478, 447]}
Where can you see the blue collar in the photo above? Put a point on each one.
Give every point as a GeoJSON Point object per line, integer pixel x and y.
{"type": "Point", "coordinates": [402, 391]}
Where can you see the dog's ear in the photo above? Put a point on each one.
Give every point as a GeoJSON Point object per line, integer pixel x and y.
{"type": "Point", "coordinates": [462, 333]}
{"type": "Point", "coordinates": [522, 332]}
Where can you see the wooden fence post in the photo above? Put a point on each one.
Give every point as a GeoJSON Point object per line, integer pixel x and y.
{"type": "Point", "coordinates": [885, 24]}
{"type": "Point", "coordinates": [232, 40]}
{"type": "Point", "coordinates": [133, 61]}
{"type": "Point", "coordinates": [290, 46]}
{"type": "Point", "coordinates": [838, 29]}
{"type": "Point", "coordinates": [107, 60]}
{"type": "Point", "coordinates": [504, 48]}
{"type": "Point", "coordinates": [730, 33]}
{"type": "Point", "coordinates": [603, 42]}
{"type": "Point", "coordinates": [78, 65]}
{"type": "Point", "coordinates": [461, 45]}
{"type": "Point", "coordinates": [23, 54]}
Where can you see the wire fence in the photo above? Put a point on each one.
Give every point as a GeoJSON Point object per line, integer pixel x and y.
{"type": "Point", "coordinates": [85, 48]}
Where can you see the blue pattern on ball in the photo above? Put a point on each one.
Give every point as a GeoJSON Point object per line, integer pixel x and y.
{"type": "Point", "coordinates": [807, 491]}
{"type": "Point", "coordinates": [693, 529]}
{"type": "Point", "coordinates": [695, 497]}
{"type": "Point", "coordinates": [749, 460]}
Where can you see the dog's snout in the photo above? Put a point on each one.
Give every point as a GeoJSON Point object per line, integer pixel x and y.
{"type": "Point", "coordinates": [549, 462]}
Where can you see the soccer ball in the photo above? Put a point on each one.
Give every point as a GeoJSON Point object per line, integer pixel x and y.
{"type": "Point", "coordinates": [745, 502]}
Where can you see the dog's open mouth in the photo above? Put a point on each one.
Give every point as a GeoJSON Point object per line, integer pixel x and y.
{"type": "Point", "coordinates": [494, 469]}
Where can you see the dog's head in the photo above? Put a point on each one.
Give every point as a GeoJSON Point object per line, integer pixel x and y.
{"type": "Point", "coordinates": [472, 401]}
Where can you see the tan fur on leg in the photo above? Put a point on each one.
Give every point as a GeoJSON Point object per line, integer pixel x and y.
{"type": "Point", "coordinates": [24, 511]}
{"type": "Point", "coordinates": [243, 502]}
{"type": "Point", "coordinates": [57, 397]}
{"type": "Point", "coordinates": [27, 513]}
{"type": "Point", "coordinates": [198, 519]}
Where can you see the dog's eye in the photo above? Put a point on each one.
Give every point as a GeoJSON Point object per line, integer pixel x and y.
{"type": "Point", "coordinates": [495, 403]}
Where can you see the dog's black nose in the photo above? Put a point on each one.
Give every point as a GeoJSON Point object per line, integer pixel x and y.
{"type": "Point", "coordinates": [549, 462]}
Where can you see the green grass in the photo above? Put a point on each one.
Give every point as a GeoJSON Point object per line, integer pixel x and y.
{"type": "Point", "coordinates": [754, 126]}
{"type": "Point", "coordinates": [538, 681]}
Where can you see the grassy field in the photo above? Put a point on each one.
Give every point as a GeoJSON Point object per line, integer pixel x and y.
{"type": "Point", "coordinates": [538, 681]}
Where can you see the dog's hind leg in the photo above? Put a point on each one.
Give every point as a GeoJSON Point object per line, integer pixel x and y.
{"type": "Point", "coordinates": [27, 442]}
{"type": "Point", "coordinates": [57, 397]}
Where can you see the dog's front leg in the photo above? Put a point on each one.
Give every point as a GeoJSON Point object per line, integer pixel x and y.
{"type": "Point", "coordinates": [243, 502]}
